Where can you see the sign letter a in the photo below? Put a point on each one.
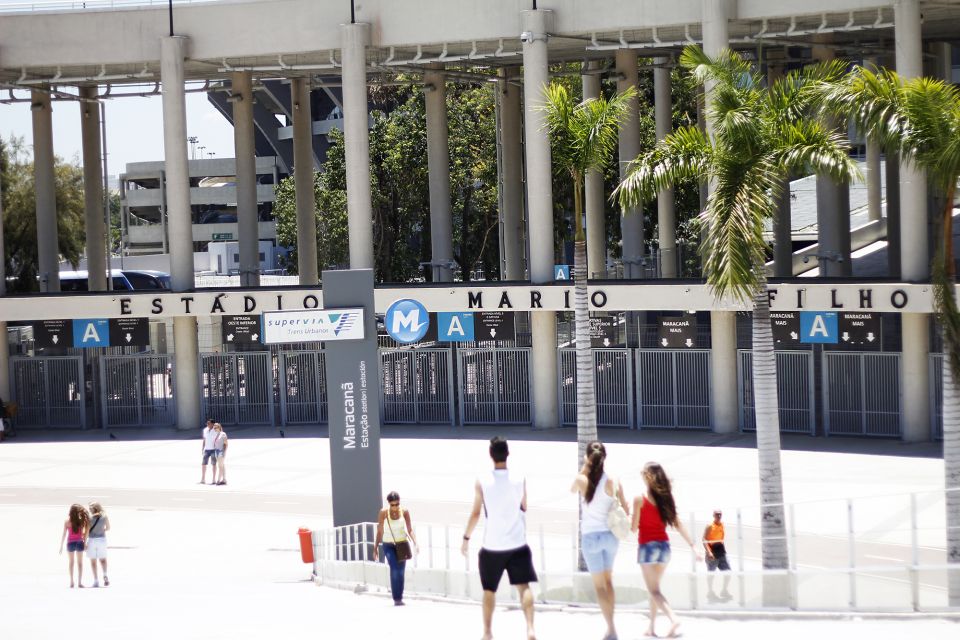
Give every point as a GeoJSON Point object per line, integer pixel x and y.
{"type": "Point", "coordinates": [90, 333]}
{"type": "Point", "coordinates": [819, 326]}
{"type": "Point", "coordinates": [455, 327]}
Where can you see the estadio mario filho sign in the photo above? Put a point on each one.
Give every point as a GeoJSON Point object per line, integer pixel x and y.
{"type": "Point", "coordinates": [313, 325]}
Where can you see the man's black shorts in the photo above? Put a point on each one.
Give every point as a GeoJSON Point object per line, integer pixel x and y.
{"type": "Point", "coordinates": [518, 563]}
{"type": "Point", "coordinates": [718, 562]}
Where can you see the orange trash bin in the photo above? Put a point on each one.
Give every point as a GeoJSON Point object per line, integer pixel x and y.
{"type": "Point", "coordinates": [306, 545]}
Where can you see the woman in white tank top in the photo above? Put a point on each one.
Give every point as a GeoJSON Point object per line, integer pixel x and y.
{"type": "Point", "coordinates": [598, 493]}
{"type": "Point", "coordinates": [394, 527]}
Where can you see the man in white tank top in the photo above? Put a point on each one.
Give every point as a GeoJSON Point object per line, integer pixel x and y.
{"type": "Point", "coordinates": [502, 497]}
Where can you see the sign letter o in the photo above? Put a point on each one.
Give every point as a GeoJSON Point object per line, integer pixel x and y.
{"type": "Point", "coordinates": [598, 299]}
{"type": "Point", "coordinates": [898, 299]}
{"type": "Point", "coordinates": [311, 302]}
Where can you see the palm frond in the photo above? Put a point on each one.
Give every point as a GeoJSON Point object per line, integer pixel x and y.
{"type": "Point", "coordinates": [873, 101]}
{"type": "Point", "coordinates": [685, 153]}
{"type": "Point", "coordinates": [599, 121]}
{"type": "Point", "coordinates": [808, 146]}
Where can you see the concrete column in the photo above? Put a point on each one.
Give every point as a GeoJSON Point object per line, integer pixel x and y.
{"type": "Point", "coordinates": [511, 175]}
{"type": "Point", "coordinates": [874, 182]}
{"type": "Point", "coordinates": [355, 38]}
{"type": "Point", "coordinates": [723, 372]}
{"type": "Point", "coordinates": [438, 164]}
{"type": "Point", "coordinates": [593, 201]}
{"type": "Point", "coordinates": [48, 247]}
{"type": "Point", "coordinates": [241, 96]}
{"type": "Point", "coordinates": [543, 324]}
{"type": "Point", "coordinates": [716, 31]}
{"type": "Point", "coordinates": [631, 220]}
{"type": "Point", "coordinates": [783, 216]}
{"type": "Point", "coordinates": [914, 247]}
{"type": "Point", "coordinates": [833, 209]}
{"type": "Point", "coordinates": [892, 171]}
{"type": "Point", "coordinates": [307, 265]}
{"type": "Point", "coordinates": [666, 215]}
{"type": "Point", "coordinates": [186, 367]}
{"type": "Point", "coordinates": [4, 343]}
{"type": "Point", "coordinates": [94, 223]}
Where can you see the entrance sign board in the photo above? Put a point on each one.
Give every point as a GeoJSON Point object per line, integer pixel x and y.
{"type": "Point", "coordinates": [859, 330]}
{"type": "Point", "coordinates": [91, 333]}
{"type": "Point", "coordinates": [818, 327]}
{"type": "Point", "coordinates": [604, 332]}
{"type": "Point", "coordinates": [495, 325]}
{"type": "Point", "coordinates": [313, 325]}
{"type": "Point", "coordinates": [241, 329]}
{"type": "Point", "coordinates": [561, 272]}
{"type": "Point", "coordinates": [53, 333]}
{"type": "Point", "coordinates": [129, 332]}
{"type": "Point", "coordinates": [786, 328]}
{"type": "Point", "coordinates": [455, 327]}
{"type": "Point", "coordinates": [353, 392]}
{"type": "Point", "coordinates": [678, 333]}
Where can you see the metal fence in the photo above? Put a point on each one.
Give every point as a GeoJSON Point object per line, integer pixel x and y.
{"type": "Point", "coordinates": [238, 387]}
{"type": "Point", "coordinates": [417, 386]}
{"type": "Point", "coordinates": [50, 391]}
{"type": "Point", "coordinates": [136, 391]}
{"type": "Point", "coordinates": [303, 389]}
{"type": "Point", "coordinates": [936, 396]}
{"type": "Point", "coordinates": [673, 388]}
{"type": "Point", "coordinates": [613, 383]}
{"type": "Point", "coordinates": [861, 393]}
{"type": "Point", "coordinates": [494, 385]}
{"type": "Point", "coordinates": [795, 391]}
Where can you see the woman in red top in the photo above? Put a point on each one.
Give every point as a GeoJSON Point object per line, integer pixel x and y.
{"type": "Point", "coordinates": [651, 515]}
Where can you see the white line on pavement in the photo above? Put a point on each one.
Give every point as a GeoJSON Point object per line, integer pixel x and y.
{"type": "Point", "coordinates": [278, 502]}
{"type": "Point", "coordinates": [885, 558]}
{"type": "Point", "coordinates": [187, 499]}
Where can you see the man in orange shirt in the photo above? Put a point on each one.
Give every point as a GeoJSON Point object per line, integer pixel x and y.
{"type": "Point", "coordinates": [716, 556]}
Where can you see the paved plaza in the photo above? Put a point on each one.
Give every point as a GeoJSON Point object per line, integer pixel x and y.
{"type": "Point", "coordinates": [193, 561]}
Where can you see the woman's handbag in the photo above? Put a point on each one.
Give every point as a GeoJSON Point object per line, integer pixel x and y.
{"type": "Point", "coordinates": [617, 520]}
{"type": "Point", "coordinates": [404, 552]}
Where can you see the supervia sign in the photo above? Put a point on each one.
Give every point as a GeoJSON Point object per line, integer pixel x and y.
{"type": "Point", "coordinates": [313, 325]}
{"type": "Point", "coordinates": [406, 321]}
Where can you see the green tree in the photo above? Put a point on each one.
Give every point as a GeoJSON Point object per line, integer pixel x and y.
{"type": "Point", "coordinates": [583, 138]}
{"type": "Point", "coordinates": [920, 120]}
{"type": "Point", "coordinates": [331, 222]}
{"type": "Point", "coordinates": [759, 136]}
{"type": "Point", "coordinates": [20, 218]}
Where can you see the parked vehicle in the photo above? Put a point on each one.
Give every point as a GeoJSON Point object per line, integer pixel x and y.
{"type": "Point", "coordinates": [77, 281]}
{"type": "Point", "coordinates": [147, 278]}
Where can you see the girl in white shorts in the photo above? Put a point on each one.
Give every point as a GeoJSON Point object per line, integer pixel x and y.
{"type": "Point", "coordinates": [97, 542]}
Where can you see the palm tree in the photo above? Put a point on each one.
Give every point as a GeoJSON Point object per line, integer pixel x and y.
{"type": "Point", "coordinates": [584, 138]}
{"type": "Point", "coordinates": [920, 119]}
{"type": "Point", "coordinates": [759, 136]}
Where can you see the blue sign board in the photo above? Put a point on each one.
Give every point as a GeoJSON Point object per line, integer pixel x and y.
{"type": "Point", "coordinates": [818, 327]}
{"type": "Point", "coordinates": [561, 272]}
{"type": "Point", "coordinates": [455, 327]}
{"type": "Point", "coordinates": [406, 321]}
{"type": "Point", "coordinates": [91, 333]}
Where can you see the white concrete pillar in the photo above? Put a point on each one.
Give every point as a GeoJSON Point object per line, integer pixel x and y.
{"type": "Point", "coordinates": [510, 160]}
{"type": "Point", "coordinates": [593, 201]}
{"type": "Point", "coordinates": [4, 343]}
{"type": "Point", "coordinates": [666, 215]}
{"type": "Point", "coordinates": [48, 246]}
{"type": "Point", "coordinates": [186, 365]}
{"type": "Point", "coordinates": [631, 221]}
{"type": "Point", "coordinates": [874, 182]}
{"type": "Point", "coordinates": [543, 324]}
{"type": "Point", "coordinates": [438, 165]}
{"type": "Point", "coordinates": [782, 217]}
{"type": "Point", "coordinates": [892, 195]}
{"type": "Point", "coordinates": [716, 15]}
{"type": "Point", "coordinates": [307, 265]}
{"type": "Point", "coordinates": [245, 150]}
{"type": "Point", "coordinates": [914, 247]}
{"type": "Point", "coordinates": [355, 38]}
{"type": "Point", "coordinates": [93, 209]}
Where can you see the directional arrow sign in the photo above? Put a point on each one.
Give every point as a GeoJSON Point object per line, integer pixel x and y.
{"type": "Point", "coordinates": [242, 329]}
{"type": "Point", "coordinates": [495, 325]}
{"type": "Point", "coordinates": [786, 329]}
{"type": "Point", "coordinates": [860, 330]}
{"type": "Point", "coordinates": [53, 333]}
{"type": "Point", "coordinates": [605, 331]}
{"type": "Point", "coordinates": [678, 332]}
{"type": "Point", "coordinates": [129, 332]}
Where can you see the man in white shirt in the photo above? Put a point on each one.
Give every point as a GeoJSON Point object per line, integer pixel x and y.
{"type": "Point", "coordinates": [503, 499]}
{"type": "Point", "coordinates": [209, 447]}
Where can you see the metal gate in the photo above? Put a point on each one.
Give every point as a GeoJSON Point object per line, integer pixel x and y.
{"type": "Point", "coordinates": [303, 394]}
{"type": "Point", "coordinates": [861, 393]}
{"type": "Point", "coordinates": [136, 391]}
{"type": "Point", "coordinates": [50, 391]}
{"type": "Point", "coordinates": [494, 385]}
{"type": "Point", "coordinates": [795, 391]}
{"type": "Point", "coordinates": [613, 383]}
{"type": "Point", "coordinates": [936, 396]}
{"type": "Point", "coordinates": [673, 388]}
{"type": "Point", "coordinates": [238, 387]}
{"type": "Point", "coordinates": [417, 386]}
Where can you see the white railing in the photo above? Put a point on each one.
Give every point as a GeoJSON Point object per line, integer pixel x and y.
{"type": "Point", "coordinates": [62, 6]}
{"type": "Point", "coordinates": [845, 555]}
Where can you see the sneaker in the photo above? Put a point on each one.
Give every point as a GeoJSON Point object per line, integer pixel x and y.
{"type": "Point", "coordinates": [106, 581]}
{"type": "Point", "coordinates": [96, 585]}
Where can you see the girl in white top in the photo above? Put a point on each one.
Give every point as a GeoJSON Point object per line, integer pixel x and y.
{"type": "Point", "coordinates": [598, 493]}
{"type": "Point", "coordinates": [220, 445]}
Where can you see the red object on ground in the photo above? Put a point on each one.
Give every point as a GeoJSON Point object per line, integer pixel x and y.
{"type": "Point", "coordinates": [306, 545]}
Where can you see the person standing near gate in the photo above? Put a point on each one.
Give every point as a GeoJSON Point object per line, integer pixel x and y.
{"type": "Point", "coordinates": [97, 542]}
{"type": "Point", "coordinates": [208, 442]}
{"type": "Point", "coordinates": [220, 446]}
{"type": "Point", "coordinates": [503, 498]}
{"type": "Point", "coordinates": [716, 557]}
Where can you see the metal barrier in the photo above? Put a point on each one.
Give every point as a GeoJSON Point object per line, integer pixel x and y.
{"type": "Point", "coordinates": [795, 391]}
{"type": "Point", "coordinates": [136, 391]}
{"type": "Point", "coordinates": [936, 396]}
{"type": "Point", "coordinates": [494, 386]}
{"type": "Point", "coordinates": [238, 387]}
{"type": "Point", "coordinates": [613, 383]}
{"type": "Point", "coordinates": [861, 393]}
{"type": "Point", "coordinates": [417, 386]}
{"type": "Point", "coordinates": [673, 388]}
{"type": "Point", "coordinates": [50, 391]}
{"type": "Point", "coordinates": [303, 392]}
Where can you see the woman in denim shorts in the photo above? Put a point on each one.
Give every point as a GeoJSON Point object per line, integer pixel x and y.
{"type": "Point", "coordinates": [75, 530]}
{"type": "Point", "coordinates": [652, 513]}
{"type": "Point", "coordinates": [598, 493]}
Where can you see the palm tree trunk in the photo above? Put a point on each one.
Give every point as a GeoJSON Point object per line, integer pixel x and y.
{"type": "Point", "coordinates": [772, 516]}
